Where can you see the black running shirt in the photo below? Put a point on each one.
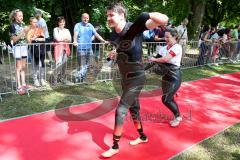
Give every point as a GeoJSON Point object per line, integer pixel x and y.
{"type": "Point", "coordinates": [129, 41]}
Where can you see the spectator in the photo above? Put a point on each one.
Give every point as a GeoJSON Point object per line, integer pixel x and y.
{"type": "Point", "coordinates": [18, 36]}
{"type": "Point", "coordinates": [238, 47]}
{"type": "Point", "coordinates": [214, 37]}
{"type": "Point", "coordinates": [229, 44]}
{"type": "Point", "coordinates": [160, 36]}
{"type": "Point", "coordinates": [234, 44]}
{"type": "Point", "coordinates": [148, 37]}
{"type": "Point", "coordinates": [61, 37]}
{"type": "Point", "coordinates": [183, 36]}
{"type": "Point", "coordinates": [204, 47]}
{"type": "Point", "coordinates": [222, 40]}
{"type": "Point", "coordinates": [35, 37]}
{"type": "Point", "coordinates": [3, 47]}
{"type": "Point", "coordinates": [83, 33]}
{"type": "Point", "coordinates": [42, 23]}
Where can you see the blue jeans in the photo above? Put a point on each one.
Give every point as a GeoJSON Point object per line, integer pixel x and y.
{"type": "Point", "coordinates": [85, 59]}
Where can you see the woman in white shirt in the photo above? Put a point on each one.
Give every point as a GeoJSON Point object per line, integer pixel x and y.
{"type": "Point", "coordinates": [170, 60]}
{"type": "Point", "coordinates": [62, 38]}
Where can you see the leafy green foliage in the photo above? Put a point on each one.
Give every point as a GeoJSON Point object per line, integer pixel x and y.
{"type": "Point", "coordinates": [213, 12]}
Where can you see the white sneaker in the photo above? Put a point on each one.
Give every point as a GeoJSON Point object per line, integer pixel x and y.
{"type": "Point", "coordinates": [110, 153]}
{"type": "Point", "coordinates": [175, 122]}
{"type": "Point", "coordinates": [137, 141]}
{"type": "Point", "coordinates": [36, 83]}
{"type": "Point", "coordinates": [43, 82]}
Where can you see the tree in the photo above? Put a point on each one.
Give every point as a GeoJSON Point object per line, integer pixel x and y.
{"type": "Point", "coordinates": [25, 5]}
{"type": "Point", "coordinates": [195, 17]}
{"type": "Point", "coordinates": [197, 11]}
{"type": "Point", "coordinates": [222, 11]}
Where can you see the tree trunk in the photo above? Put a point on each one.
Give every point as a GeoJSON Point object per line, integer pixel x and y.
{"type": "Point", "coordinates": [69, 12]}
{"type": "Point", "coordinates": [198, 10]}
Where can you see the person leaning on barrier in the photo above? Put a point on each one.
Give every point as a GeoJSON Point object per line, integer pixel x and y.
{"type": "Point", "coordinates": [3, 47]}
{"type": "Point", "coordinates": [148, 37]}
{"type": "Point", "coordinates": [204, 47]}
{"type": "Point", "coordinates": [82, 39]}
{"type": "Point", "coordinates": [169, 61]}
{"type": "Point", "coordinates": [20, 51]}
{"type": "Point", "coordinates": [61, 37]}
{"type": "Point", "coordinates": [127, 38]}
{"type": "Point", "coordinates": [234, 44]}
{"type": "Point", "coordinates": [238, 45]}
{"type": "Point", "coordinates": [159, 33]}
{"type": "Point", "coordinates": [35, 38]}
{"type": "Point", "coordinates": [42, 24]}
{"type": "Point", "coordinates": [215, 45]}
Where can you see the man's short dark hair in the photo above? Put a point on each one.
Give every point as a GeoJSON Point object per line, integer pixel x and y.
{"type": "Point", "coordinates": [118, 8]}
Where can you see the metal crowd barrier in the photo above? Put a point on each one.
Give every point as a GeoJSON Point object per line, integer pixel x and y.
{"type": "Point", "coordinates": [7, 82]}
{"type": "Point", "coordinates": [215, 53]}
{"type": "Point", "coordinates": [92, 61]}
{"type": "Point", "coordinates": [62, 71]}
{"type": "Point", "coordinates": [75, 70]}
{"type": "Point", "coordinates": [199, 54]}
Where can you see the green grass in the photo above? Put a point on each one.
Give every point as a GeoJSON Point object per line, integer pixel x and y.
{"type": "Point", "coordinates": [206, 71]}
{"type": "Point", "coordinates": [224, 146]}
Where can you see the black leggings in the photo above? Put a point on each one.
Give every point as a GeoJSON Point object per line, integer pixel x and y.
{"type": "Point", "coordinates": [37, 53]}
{"type": "Point", "coordinates": [130, 100]}
{"type": "Point", "coordinates": [170, 84]}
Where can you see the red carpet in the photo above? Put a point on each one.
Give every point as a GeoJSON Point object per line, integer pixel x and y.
{"type": "Point", "coordinates": [208, 105]}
